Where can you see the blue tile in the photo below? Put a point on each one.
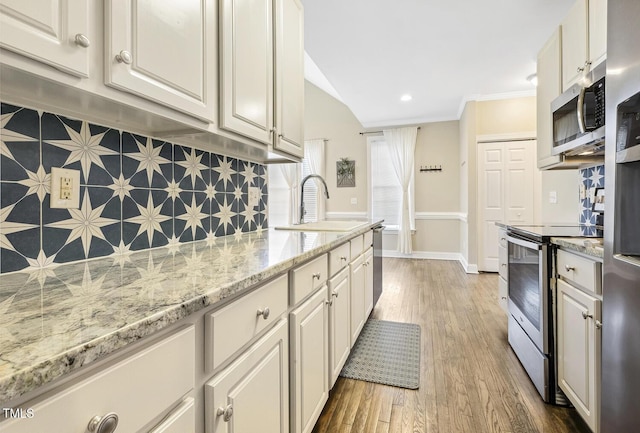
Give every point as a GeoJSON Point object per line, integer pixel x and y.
{"type": "Point", "coordinates": [191, 168]}
{"type": "Point", "coordinates": [148, 219]}
{"type": "Point", "coordinates": [20, 227]}
{"type": "Point", "coordinates": [21, 150]}
{"type": "Point", "coordinates": [224, 172]}
{"type": "Point", "coordinates": [147, 162]}
{"type": "Point", "coordinates": [194, 222]}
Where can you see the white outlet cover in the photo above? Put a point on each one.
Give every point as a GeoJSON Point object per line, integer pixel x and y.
{"type": "Point", "coordinates": [354, 200]}
{"type": "Point", "coordinates": [553, 197]}
{"type": "Point", "coordinates": [254, 196]}
{"type": "Point", "coordinates": [57, 174]}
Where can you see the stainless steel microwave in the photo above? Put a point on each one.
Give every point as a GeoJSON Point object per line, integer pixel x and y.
{"type": "Point", "coordinates": [579, 116]}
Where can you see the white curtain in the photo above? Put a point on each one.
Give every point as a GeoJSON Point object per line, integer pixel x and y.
{"type": "Point", "coordinates": [402, 144]}
{"type": "Point", "coordinates": [314, 154]}
{"type": "Point", "coordinates": [290, 173]}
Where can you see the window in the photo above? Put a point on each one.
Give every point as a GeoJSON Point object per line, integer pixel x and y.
{"type": "Point", "coordinates": [385, 190]}
{"type": "Point", "coordinates": [279, 197]}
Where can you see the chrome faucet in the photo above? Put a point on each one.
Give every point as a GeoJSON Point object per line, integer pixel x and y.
{"type": "Point", "coordinates": [326, 193]}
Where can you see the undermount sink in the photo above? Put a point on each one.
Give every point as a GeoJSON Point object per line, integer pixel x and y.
{"type": "Point", "coordinates": [325, 226]}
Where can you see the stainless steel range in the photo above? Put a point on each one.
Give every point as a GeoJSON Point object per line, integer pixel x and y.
{"type": "Point", "coordinates": [532, 299]}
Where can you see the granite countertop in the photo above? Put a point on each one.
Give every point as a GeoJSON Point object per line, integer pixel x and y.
{"type": "Point", "coordinates": [588, 246]}
{"type": "Point", "coordinates": [57, 319]}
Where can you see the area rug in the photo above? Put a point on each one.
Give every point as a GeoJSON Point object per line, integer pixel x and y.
{"type": "Point", "coordinates": [387, 353]}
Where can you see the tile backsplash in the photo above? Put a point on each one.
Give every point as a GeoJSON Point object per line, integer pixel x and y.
{"type": "Point", "coordinates": [135, 192]}
{"type": "Point", "coordinates": [592, 177]}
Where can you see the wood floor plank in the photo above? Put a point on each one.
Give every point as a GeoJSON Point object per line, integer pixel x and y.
{"type": "Point", "coordinates": [470, 379]}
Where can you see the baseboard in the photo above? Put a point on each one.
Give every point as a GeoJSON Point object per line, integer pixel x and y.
{"type": "Point", "coordinates": [469, 269]}
{"type": "Point", "coordinates": [433, 255]}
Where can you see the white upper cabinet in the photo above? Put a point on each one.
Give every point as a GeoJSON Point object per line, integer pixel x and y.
{"type": "Point", "coordinates": [262, 94]}
{"type": "Point", "coordinates": [584, 39]}
{"type": "Point", "coordinates": [289, 112]}
{"type": "Point", "coordinates": [54, 32]}
{"type": "Point", "coordinates": [164, 51]}
{"type": "Point", "coordinates": [549, 87]}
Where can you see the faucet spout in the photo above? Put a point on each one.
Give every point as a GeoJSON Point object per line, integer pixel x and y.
{"type": "Point", "coordinates": [326, 193]}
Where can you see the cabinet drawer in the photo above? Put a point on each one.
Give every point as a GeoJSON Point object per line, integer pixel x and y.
{"type": "Point", "coordinates": [503, 294]}
{"type": "Point", "coordinates": [357, 246]}
{"type": "Point", "coordinates": [233, 326]}
{"type": "Point", "coordinates": [307, 278]}
{"type": "Point", "coordinates": [137, 389]}
{"type": "Point", "coordinates": [580, 270]}
{"type": "Point", "coordinates": [339, 258]}
{"type": "Point", "coordinates": [502, 238]}
{"type": "Point", "coordinates": [503, 265]}
{"type": "Point", "coordinates": [182, 419]}
{"type": "Point", "coordinates": [368, 239]}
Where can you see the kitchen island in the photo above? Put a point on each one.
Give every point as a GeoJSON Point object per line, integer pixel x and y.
{"type": "Point", "coordinates": [59, 320]}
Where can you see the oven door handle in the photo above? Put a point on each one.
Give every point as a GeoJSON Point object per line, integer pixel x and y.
{"type": "Point", "coordinates": [524, 243]}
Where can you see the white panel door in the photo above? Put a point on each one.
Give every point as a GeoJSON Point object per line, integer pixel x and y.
{"type": "Point", "coordinates": [519, 179]}
{"type": "Point", "coordinates": [289, 111]}
{"type": "Point", "coordinates": [339, 324]}
{"type": "Point", "coordinates": [597, 31]}
{"type": "Point", "coordinates": [246, 56]}
{"type": "Point", "coordinates": [251, 395]}
{"type": "Point", "coordinates": [579, 350]}
{"type": "Point", "coordinates": [309, 324]}
{"type": "Point", "coordinates": [54, 32]}
{"type": "Point", "coordinates": [164, 50]}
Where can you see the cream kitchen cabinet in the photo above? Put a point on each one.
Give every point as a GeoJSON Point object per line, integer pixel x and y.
{"type": "Point", "coordinates": [584, 39]}
{"type": "Point", "coordinates": [339, 324]}
{"type": "Point", "coordinates": [164, 51]}
{"type": "Point", "coordinates": [52, 32]}
{"type": "Point", "coordinates": [252, 393]}
{"type": "Point", "coordinates": [161, 376]}
{"type": "Point", "coordinates": [368, 282]}
{"type": "Point", "coordinates": [503, 270]}
{"type": "Point", "coordinates": [309, 353]}
{"type": "Point", "coordinates": [579, 316]}
{"type": "Point", "coordinates": [262, 75]}
{"type": "Point", "coordinates": [357, 276]}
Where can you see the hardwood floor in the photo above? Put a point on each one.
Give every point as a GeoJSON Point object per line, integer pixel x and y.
{"type": "Point", "coordinates": [471, 381]}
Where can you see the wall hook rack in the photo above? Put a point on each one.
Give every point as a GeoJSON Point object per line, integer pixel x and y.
{"type": "Point", "coordinates": [427, 168]}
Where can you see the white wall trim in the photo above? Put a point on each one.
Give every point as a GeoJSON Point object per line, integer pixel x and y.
{"type": "Point", "coordinates": [464, 217]}
{"type": "Point", "coordinates": [508, 136]}
{"type": "Point", "coordinates": [440, 216]}
{"type": "Point", "coordinates": [347, 215]}
{"type": "Point", "coordinates": [493, 97]}
{"type": "Point", "coordinates": [433, 255]}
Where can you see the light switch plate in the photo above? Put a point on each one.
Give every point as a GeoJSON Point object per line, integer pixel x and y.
{"type": "Point", "coordinates": [553, 197]}
{"type": "Point", "coordinates": [583, 191]}
{"type": "Point", "coordinates": [354, 200]}
{"type": "Point", "coordinates": [254, 196]}
{"type": "Point", "coordinates": [65, 188]}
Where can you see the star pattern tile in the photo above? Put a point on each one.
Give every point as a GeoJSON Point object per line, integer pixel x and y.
{"type": "Point", "coordinates": [590, 178]}
{"type": "Point", "coordinates": [136, 193]}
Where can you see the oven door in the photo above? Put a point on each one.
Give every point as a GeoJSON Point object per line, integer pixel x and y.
{"type": "Point", "coordinates": [528, 289]}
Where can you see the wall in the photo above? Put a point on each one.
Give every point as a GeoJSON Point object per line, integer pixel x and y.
{"type": "Point", "coordinates": [136, 192]}
{"type": "Point", "coordinates": [565, 184]}
{"type": "Point", "coordinates": [590, 178]}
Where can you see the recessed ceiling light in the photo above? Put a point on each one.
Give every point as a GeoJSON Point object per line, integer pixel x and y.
{"type": "Point", "coordinates": [406, 97]}
{"type": "Point", "coordinates": [533, 79]}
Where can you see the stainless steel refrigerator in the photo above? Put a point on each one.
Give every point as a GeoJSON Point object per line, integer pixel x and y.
{"type": "Point", "coordinates": [620, 402]}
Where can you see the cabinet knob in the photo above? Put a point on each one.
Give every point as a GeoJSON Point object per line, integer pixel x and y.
{"type": "Point", "coordinates": [264, 312]}
{"type": "Point", "coordinates": [343, 258]}
{"type": "Point", "coordinates": [316, 276]}
{"type": "Point", "coordinates": [334, 294]}
{"type": "Point", "coordinates": [225, 412]}
{"type": "Point", "coordinates": [580, 69]}
{"type": "Point", "coordinates": [82, 41]}
{"type": "Point", "coordinates": [124, 56]}
{"type": "Point", "coordinates": [504, 265]}
{"type": "Point", "coordinates": [586, 315]}
{"type": "Point", "coordinates": [329, 302]}
{"type": "Point", "coordinates": [598, 324]}
{"type": "Point", "coordinates": [569, 268]}
{"type": "Point", "coordinates": [103, 424]}
{"type": "Point", "coordinates": [504, 297]}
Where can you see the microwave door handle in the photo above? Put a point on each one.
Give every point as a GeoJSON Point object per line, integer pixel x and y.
{"type": "Point", "coordinates": [580, 110]}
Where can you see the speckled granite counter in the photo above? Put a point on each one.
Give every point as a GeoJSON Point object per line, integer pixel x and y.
{"type": "Point", "coordinates": [581, 245]}
{"type": "Point", "coordinates": [55, 320]}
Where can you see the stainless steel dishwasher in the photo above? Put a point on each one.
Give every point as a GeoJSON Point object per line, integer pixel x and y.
{"type": "Point", "coordinates": [377, 263]}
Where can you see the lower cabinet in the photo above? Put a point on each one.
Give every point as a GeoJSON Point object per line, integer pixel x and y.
{"type": "Point", "coordinates": [579, 343]}
{"type": "Point", "coordinates": [368, 283]}
{"type": "Point", "coordinates": [503, 270]}
{"type": "Point", "coordinates": [358, 278]}
{"type": "Point", "coordinates": [309, 354]}
{"type": "Point", "coordinates": [339, 324]}
{"type": "Point", "coordinates": [182, 419]}
{"type": "Point", "coordinates": [252, 394]}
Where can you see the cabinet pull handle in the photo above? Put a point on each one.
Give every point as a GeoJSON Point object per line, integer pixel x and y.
{"type": "Point", "coordinates": [334, 294]}
{"type": "Point", "coordinates": [503, 265]}
{"type": "Point", "coordinates": [225, 412]}
{"type": "Point", "coordinates": [103, 424]}
{"type": "Point", "coordinates": [264, 312]}
{"type": "Point", "coordinates": [343, 258]}
{"type": "Point", "coordinates": [124, 56]}
{"type": "Point", "coordinates": [329, 302]}
{"type": "Point", "coordinates": [586, 315]}
{"type": "Point", "coordinates": [569, 268]}
{"type": "Point", "coordinates": [598, 324]}
{"type": "Point", "coordinates": [579, 69]}
{"type": "Point", "coordinates": [316, 275]}
{"type": "Point", "coordinates": [82, 41]}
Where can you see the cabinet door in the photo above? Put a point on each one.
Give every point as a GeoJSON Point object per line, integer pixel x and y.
{"type": "Point", "coordinates": [251, 395]}
{"type": "Point", "coordinates": [368, 283]}
{"type": "Point", "coordinates": [579, 350]}
{"type": "Point", "coordinates": [339, 325]}
{"type": "Point", "coordinates": [289, 109]}
{"type": "Point", "coordinates": [309, 324]}
{"type": "Point", "coordinates": [164, 51]}
{"type": "Point", "coordinates": [357, 297]}
{"type": "Point", "coordinates": [246, 81]}
{"type": "Point", "coordinates": [574, 43]}
{"type": "Point", "coordinates": [46, 30]}
{"type": "Point", "coordinates": [597, 31]}
{"type": "Point", "coordinates": [503, 294]}
{"type": "Point", "coordinates": [549, 87]}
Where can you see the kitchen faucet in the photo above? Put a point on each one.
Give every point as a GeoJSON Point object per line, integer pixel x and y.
{"type": "Point", "coordinates": [326, 193]}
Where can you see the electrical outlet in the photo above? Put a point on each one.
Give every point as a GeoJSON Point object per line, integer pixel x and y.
{"type": "Point", "coordinates": [592, 194]}
{"type": "Point", "coordinates": [553, 197]}
{"type": "Point", "coordinates": [583, 191]}
{"type": "Point", "coordinates": [354, 200]}
{"type": "Point", "coordinates": [254, 196]}
{"type": "Point", "coordinates": [65, 188]}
